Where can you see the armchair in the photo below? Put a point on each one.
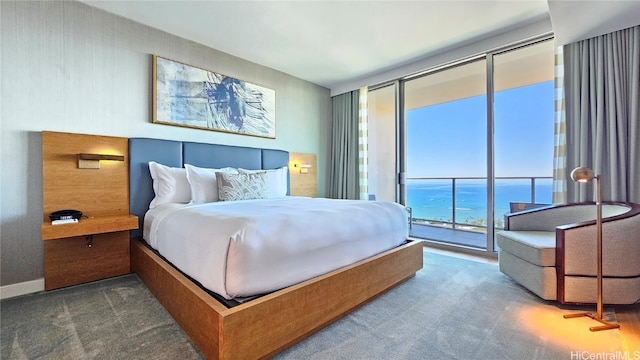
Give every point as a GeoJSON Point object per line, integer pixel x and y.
{"type": "Point", "coordinates": [552, 252]}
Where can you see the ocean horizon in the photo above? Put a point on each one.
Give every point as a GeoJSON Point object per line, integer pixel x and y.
{"type": "Point", "coordinates": [431, 200]}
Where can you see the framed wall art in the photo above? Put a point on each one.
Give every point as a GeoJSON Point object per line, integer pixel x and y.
{"type": "Point", "coordinates": [184, 95]}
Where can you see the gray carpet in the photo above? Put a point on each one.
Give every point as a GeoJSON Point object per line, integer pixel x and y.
{"type": "Point", "coordinates": [116, 318]}
{"type": "Point", "coordinates": [452, 309]}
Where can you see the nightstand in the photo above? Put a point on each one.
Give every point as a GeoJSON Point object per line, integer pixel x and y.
{"type": "Point", "coordinates": [91, 249]}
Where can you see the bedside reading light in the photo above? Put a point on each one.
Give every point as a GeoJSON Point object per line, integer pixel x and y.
{"type": "Point", "coordinates": [304, 168]}
{"type": "Point", "coordinates": [92, 161]}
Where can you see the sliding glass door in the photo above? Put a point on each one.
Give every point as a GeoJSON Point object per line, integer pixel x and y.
{"type": "Point", "coordinates": [523, 128]}
{"type": "Point", "coordinates": [464, 144]}
{"type": "Point", "coordinates": [478, 141]}
{"type": "Point", "coordinates": [446, 147]}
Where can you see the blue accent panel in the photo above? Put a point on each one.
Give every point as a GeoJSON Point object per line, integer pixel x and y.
{"type": "Point", "coordinates": [141, 151]}
{"type": "Point", "coordinates": [219, 156]}
{"type": "Point", "coordinates": [274, 159]}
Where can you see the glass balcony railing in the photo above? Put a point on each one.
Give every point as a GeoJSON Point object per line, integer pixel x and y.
{"type": "Point", "coordinates": [461, 202]}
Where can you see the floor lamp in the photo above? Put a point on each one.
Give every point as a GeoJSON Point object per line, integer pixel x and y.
{"type": "Point", "coordinates": [584, 174]}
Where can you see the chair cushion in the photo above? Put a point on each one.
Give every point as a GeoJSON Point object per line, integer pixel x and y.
{"type": "Point", "coordinates": [536, 247]}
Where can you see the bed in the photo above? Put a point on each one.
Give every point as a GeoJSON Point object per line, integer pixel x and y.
{"type": "Point", "coordinates": [270, 323]}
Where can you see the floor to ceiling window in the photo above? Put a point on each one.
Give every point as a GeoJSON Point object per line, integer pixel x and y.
{"type": "Point", "coordinates": [476, 139]}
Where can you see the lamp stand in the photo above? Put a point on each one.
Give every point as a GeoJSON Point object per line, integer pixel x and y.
{"type": "Point", "coordinates": [598, 316]}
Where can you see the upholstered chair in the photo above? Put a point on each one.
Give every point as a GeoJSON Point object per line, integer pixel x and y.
{"type": "Point", "coordinates": [552, 251]}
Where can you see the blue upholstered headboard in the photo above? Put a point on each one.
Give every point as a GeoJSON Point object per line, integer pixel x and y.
{"type": "Point", "coordinates": [176, 154]}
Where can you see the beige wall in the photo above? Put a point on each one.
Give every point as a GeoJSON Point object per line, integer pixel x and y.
{"type": "Point", "coordinates": [68, 67]}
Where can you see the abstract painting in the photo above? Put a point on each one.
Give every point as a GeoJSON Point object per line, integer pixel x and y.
{"type": "Point", "coordinates": [184, 95]}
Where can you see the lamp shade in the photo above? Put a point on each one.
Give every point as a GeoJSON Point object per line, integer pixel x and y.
{"type": "Point", "coordinates": [582, 174]}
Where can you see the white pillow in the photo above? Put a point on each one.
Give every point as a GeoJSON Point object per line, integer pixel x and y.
{"type": "Point", "coordinates": [203, 184]}
{"type": "Point", "coordinates": [242, 186]}
{"type": "Point", "coordinates": [276, 181]}
{"type": "Point", "coordinates": [169, 184]}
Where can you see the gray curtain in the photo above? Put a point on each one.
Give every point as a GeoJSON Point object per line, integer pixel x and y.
{"type": "Point", "coordinates": [344, 174]}
{"type": "Point", "coordinates": [602, 102]}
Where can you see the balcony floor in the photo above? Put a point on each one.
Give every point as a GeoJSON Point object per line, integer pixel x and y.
{"type": "Point", "coordinates": [447, 235]}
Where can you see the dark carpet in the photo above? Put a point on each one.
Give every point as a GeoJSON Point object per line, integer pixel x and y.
{"type": "Point", "coordinates": [452, 309]}
{"type": "Point", "coordinates": [116, 318]}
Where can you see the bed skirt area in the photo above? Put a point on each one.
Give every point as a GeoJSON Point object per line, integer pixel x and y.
{"type": "Point", "coordinates": [271, 323]}
{"type": "Point", "coordinates": [229, 303]}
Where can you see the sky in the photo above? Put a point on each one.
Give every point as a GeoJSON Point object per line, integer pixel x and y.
{"type": "Point", "coordinates": [449, 139]}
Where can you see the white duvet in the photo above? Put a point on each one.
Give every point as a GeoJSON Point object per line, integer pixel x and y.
{"type": "Point", "coordinates": [245, 248]}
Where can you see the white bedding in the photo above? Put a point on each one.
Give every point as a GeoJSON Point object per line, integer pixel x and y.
{"type": "Point", "coordinates": [244, 248]}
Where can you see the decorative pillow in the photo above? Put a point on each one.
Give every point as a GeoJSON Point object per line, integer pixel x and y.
{"type": "Point", "coordinates": [242, 186]}
{"type": "Point", "coordinates": [169, 184]}
{"type": "Point", "coordinates": [276, 181]}
{"type": "Point", "coordinates": [204, 187]}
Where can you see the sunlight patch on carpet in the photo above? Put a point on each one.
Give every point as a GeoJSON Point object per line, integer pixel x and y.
{"type": "Point", "coordinates": [572, 334]}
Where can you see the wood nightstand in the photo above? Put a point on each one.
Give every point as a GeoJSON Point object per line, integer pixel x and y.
{"type": "Point", "coordinates": [92, 249]}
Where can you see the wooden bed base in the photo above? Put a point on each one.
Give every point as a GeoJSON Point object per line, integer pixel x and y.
{"type": "Point", "coordinates": [266, 326]}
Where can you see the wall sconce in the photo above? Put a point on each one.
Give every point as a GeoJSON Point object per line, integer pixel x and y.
{"type": "Point", "coordinates": [92, 161]}
{"type": "Point", "coordinates": [304, 168]}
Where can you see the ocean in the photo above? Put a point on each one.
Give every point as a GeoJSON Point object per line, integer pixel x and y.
{"type": "Point", "coordinates": [432, 199]}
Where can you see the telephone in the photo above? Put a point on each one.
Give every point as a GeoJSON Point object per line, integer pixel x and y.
{"type": "Point", "coordinates": [66, 215]}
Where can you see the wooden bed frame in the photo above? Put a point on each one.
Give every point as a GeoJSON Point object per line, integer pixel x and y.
{"type": "Point", "coordinates": [269, 324]}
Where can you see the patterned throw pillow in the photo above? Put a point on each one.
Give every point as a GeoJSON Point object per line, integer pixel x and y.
{"type": "Point", "coordinates": [276, 180]}
{"type": "Point", "coordinates": [242, 186]}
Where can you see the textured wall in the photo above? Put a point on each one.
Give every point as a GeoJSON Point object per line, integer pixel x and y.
{"type": "Point", "coordinates": [68, 67]}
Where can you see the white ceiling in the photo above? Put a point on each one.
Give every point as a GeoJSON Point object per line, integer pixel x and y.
{"type": "Point", "coordinates": [578, 20]}
{"type": "Point", "coordinates": [333, 42]}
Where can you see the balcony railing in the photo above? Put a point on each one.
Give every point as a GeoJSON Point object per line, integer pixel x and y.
{"type": "Point", "coordinates": [444, 201]}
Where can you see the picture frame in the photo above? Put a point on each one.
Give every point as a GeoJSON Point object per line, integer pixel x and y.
{"type": "Point", "coordinates": [188, 96]}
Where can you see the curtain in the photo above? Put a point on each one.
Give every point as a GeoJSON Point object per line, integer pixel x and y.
{"type": "Point", "coordinates": [363, 145]}
{"type": "Point", "coordinates": [344, 152]}
{"type": "Point", "coordinates": [560, 135]}
{"type": "Point", "coordinates": [602, 99]}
